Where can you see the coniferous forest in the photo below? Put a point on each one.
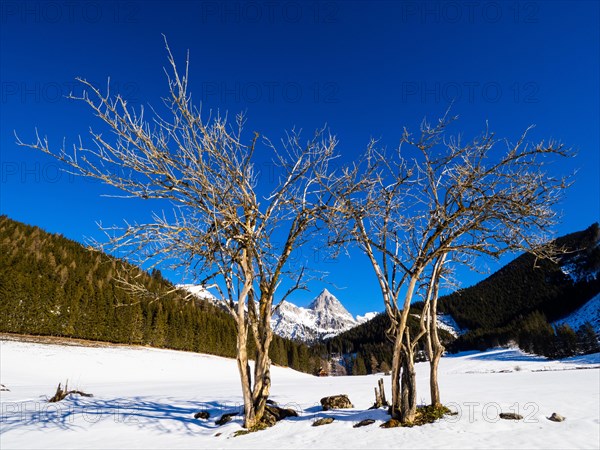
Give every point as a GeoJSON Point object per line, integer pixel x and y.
{"type": "Point", "coordinates": [53, 286]}
{"type": "Point", "coordinates": [518, 302]}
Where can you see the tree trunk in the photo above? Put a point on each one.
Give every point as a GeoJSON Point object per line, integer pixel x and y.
{"type": "Point", "coordinates": [396, 406]}
{"type": "Point", "coordinates": [408, 410]}
{"type": "Point", "coordinates": [262, 377]}
{"type": "Point", "coordinates": [437, 349]}
{"type": "Point", "coordinates": [244, 369]}
{"type": "Point", "coordinates": [398, 357]}
{"type": "Point", "coordinates": [433, 381]}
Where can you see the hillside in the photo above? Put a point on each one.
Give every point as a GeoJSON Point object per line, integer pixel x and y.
{"type": "Point", "coordinates": [53, 286]}
{"type": "Point", "coordinates": [518, 302]}
{"type": "Point", "coordinates": [526, 285]}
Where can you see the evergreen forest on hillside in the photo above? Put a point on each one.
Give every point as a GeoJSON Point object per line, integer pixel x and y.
{"type": "Point", "coordinates": [518, 302]}
{"type": "Point", "coordinates": [53, 286]}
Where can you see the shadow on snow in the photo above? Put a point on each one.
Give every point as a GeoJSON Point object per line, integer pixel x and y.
{"type": "Point", "coordinates": [167, 416]}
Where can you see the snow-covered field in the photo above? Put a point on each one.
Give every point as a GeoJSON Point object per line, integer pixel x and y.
{"type": "Point", "coordinates": [146, 398]}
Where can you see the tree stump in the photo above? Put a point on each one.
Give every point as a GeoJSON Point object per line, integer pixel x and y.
{"type": "Point", "coordinates": [380, 399]}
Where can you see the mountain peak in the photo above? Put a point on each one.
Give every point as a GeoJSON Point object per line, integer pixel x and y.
{"type": "Point", "coordinates": [325, 300]}
{"type": "Point", "coordinates": [324, 317]}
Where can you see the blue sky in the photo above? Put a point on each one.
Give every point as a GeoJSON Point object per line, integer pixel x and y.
{"type": "Point", "coordinates": [366, 69]}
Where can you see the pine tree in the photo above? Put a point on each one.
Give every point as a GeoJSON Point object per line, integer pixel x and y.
{"type": "Point", "coordinates": [358, 366]}
{"type": "Point", "coordinates": [587, 341]}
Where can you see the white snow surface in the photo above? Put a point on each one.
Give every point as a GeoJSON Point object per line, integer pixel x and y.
{"type": "Point", "coordinates": [589, 312]}
{"type": "Point", "coordinates": [146, 398]}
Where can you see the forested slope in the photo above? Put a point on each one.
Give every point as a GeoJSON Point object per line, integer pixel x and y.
{"type": "Point", "coordinates": [51, 285]}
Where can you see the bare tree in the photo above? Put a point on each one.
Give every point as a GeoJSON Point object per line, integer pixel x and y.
{"type": "Point", "coordinates": [223, 228]}
{"type": "Point", "coordinates": [480, 201]}
{"type": "Point", "coordinates": [369, 211]}
{"type": "Point", "coordinates": [453, 198]}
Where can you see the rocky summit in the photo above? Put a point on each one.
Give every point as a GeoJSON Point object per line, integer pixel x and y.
{"type": "Point", "coordinates": [324, 317]}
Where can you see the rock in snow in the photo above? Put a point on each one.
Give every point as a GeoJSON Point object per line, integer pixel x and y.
{"type": "Point", "coordinates": [323, 421]}
{"type": "Point", "coordinates": [336, 402]}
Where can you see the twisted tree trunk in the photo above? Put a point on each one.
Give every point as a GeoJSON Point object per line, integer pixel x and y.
{"type": "Point", "coordinates": [262, 375]}
{"type": "Point", "coordinates": [409, 382]}
{"type": "Point", "coordinates": [244, 370]}
{"type": "Point", "coordinates": [396, 407]}
{"type": "Point", "coordinates": [403, 376]}
{"type": "Point", "coordinates": [435, 347]}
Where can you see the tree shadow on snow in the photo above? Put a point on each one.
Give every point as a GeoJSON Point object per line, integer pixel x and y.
{"type": "Point", "coordinates": [508, 354]}
{"type": "Point", "coordinates": [167, 416]}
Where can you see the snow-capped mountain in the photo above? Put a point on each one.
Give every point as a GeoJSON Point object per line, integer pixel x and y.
{"type": "Point", "coordinates": [324, 317]}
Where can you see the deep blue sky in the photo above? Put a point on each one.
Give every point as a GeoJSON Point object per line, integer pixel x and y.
{"type": "Point", "coordinates": [364, 68]}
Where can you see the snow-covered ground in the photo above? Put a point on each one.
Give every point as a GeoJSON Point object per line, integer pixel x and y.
{"type": "Point", "coordinates": [146, 398]}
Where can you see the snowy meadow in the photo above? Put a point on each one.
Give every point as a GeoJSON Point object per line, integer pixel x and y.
{"type": "Point", "coordinates": [147, 398]}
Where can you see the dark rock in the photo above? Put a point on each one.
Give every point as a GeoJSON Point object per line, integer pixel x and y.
{"type": "Point", "coordinates": [511, 416]}
{"type": "Point", "coordinates": [322, 421]}
{"type": "Point", "coordinates": [202, 415]}
{"type": "Point", "coordinates": [364, 423]}
{"type": "Point", "coordinates": [336, 402]}
{"type": "Point", "coordinates": [225, 418]}
{"type": "Point", "coordinates": [271, 402]}
{"type": "Point", "coordinates": [280, 413]}
{"type": "Point", "coordinates": [556, 418]}
{"type": "Point", "coordinates": [392, 423]}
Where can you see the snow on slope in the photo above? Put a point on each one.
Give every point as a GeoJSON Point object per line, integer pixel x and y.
{"type": "Point", "coordinates": [146, 398]}
{"type": "Point", "coordinates": [368, 316]}
{"type": "Point", "coordinates": [590, 312]}
{"type": "Point", "coordinates": [447, 322]}
{"type": "Point", "coordinates": [199, 291]}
